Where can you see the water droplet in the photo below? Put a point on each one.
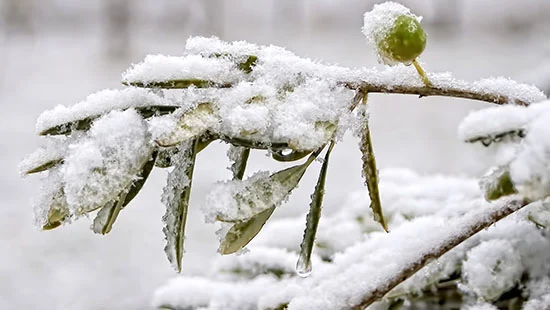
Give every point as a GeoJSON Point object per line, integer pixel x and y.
{"type": "Point", "coordinates": [303, 267]}
{"type": "Point", "coordinates": [286, 152]}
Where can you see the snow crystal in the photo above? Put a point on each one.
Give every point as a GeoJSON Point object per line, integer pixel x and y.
{"type": "Point", "coordinates": [100, 166]}
{"type": "Point", "coordinates": [97, 104]}
{"type": "Point", "coordinates": [51, 198]}
{"type": "Point", "coordinates": [160, 68]}
{"type": "Point", "coordinates": [491, 268]}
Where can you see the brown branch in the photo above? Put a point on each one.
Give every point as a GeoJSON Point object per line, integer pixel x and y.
{"type": "Point", "coordinates": [483, 222]}
{"type": "Point", "coordinates": [424, 91]}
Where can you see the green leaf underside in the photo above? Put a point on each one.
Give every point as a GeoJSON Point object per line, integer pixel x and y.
{"type": "Point", "coordinates": [370, 172]}
{"type": "Point", "coordinates": [86, 123]}
{"type": "Point", "coordinates": [239, 166]}
{"type": "Point", "coordinates": [142, 177]}
{"type": "Point", "coordinates": [56, 217]}
{"type": "Point", "coordinates": [177, 84]}
{"type": "Point", "coordinates": [45, 166]}
{"type": "Point", "coordinates": [312, 220]}
{"type": "Point", "coordinates": [501, 186]}
{"type": "Point", "coordinates": [175, 231]}
{"type": "Point", "coordinates": [242, 233]}
{"type": "Point", "coordinates": [107, 215]}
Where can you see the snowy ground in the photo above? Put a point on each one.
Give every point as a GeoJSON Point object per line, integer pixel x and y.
{"type": "Point", "coordinates": [71, 268]}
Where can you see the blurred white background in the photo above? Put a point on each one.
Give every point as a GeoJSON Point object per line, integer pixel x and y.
{"type": "Point", "coordinates": [57, 52]}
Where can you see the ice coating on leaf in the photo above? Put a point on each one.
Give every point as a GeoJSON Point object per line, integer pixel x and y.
{"type": "Point", "coordinates": [175, 197]}
{"type": "Point", "coordinates": [97, 104]}
{"type": "Point", "coordinates": [160, 68]}
{"type": "Point", "coordinates": [491, 268]}
{"type": "Point", "coordinates": [529, 169]}
{"type": "Point", "coordinates": [104, 163]}
{"type": "Point", "coordinates": [480, 306]}
{"type": "Point", "coordinates": [378, 22]}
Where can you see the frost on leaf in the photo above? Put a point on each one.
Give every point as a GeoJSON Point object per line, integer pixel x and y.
{"type": "Point", "coordinates": [176, 199]}
{"type": "Point", "coordinates": [239, 157]}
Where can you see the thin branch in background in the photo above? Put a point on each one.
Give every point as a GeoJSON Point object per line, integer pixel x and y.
{"type": "Point", "coordinates": [468, 226]}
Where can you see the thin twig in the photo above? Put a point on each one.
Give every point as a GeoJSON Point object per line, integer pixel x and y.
{"type": "Point", "coordinates": [434, 90]}
{"type": "Point", "coordinates": [482, 222]}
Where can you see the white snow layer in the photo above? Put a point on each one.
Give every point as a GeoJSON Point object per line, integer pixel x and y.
{"type": "Point", "coordinates": [104, 163]}
{"type": "Point", "coordinates": [97, 104]}
{"type": "Point", "coordinates": [423, 213]}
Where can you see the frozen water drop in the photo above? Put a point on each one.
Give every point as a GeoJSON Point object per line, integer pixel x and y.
{"type": "Point", "coordinates": [303, 266]}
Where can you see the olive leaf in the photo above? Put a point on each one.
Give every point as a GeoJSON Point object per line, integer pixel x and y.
{"type": "Point", "coordinates": [498, 137]}
{"type": "Point", "coordinates": [303, 266]}
{"type": "Point", "coordinates": [45, 166]}
{"type": "Point", "coordinates": [241, 233]}
{"type": "Point", "coordinates": [191, 125]}
{"type": "Point", "coordinates": [142, 177]}
{"type": "Point", "coordinates": [58, 211]}
{"type": "Point", "coordinates": [177, 84]}
{"type": "Point", "coordinates": [85, 123]}
{"type": "Point", "coordinates": [107, 215]}
{"type": "Point", "coordinates": [370, 172]}
{"type": "Point", "coordinates": [176, 198]}
{"type": "Point", "coordinates": [498, 183]}
{"type": "Point", "coordinates": [239, 156]}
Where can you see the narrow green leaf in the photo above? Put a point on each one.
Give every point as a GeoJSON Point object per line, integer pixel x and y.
{"type": "Point", "coordinates": [244, 230]}
{"type": "Point", "coordinates": [106, 217]}
{"type": "Point", "coordinates": [498, 184]}
{"type": "Point", "coordinates": [86, 123]}
{"type": "Point", "coordinates": [192, 125]}
{"type": "Point", "coordinates": [142, 177]}
{"type": "Point", "coordinates": [370, 173]}
{"type": "Point", "coordinates": [303, 266]}
{"type": "Point", "coordinates": [177, 84]}
{"type": "Point", "coordinates": [176, 198]}
{"type": "Point", "coordinates": [242, 233]}
{"type": "Point", "coordinates": [45, 166]}
{"type": "Point", "coordinates": [56, 216]}
{"type": "Point", "coordinates": [239, 156]}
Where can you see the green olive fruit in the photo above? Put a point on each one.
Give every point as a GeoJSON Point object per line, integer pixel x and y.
{"type": "Point", "coordinates": [404, 42]}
